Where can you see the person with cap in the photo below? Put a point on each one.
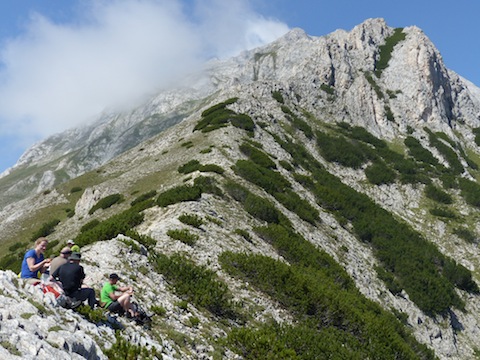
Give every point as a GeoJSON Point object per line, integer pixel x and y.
{"type": "Point", "coordinates": [60, 259]}
{"type": "Point", "coordinates": [117, 298]}
{"type": "Point", "coordinates": [71, 244]}
{"type": "Point", "coordinates": [34, 262]}
{"type": "Point", "coordinates": [71, 276]}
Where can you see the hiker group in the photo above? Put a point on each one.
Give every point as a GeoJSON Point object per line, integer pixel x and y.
{"type": "Point", "coordinates": [65, 276]}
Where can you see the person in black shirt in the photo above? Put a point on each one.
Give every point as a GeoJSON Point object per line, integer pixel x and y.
{"type": "Point", "coordinates": [71, 276]}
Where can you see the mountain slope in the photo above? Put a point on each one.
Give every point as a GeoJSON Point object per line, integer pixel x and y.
{"type": "Point", "coordinates": [349, 158]}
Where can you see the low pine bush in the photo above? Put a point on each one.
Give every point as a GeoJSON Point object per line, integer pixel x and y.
{"type": "Point", "coordinates": [184, 236]}
{"type": "Point", "coordinates": [179, 194]}
{"type": "Point", "coordinates": [106, 202]}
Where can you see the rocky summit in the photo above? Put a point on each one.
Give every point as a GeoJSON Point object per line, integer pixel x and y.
{"type": "Point", "coordinates": [314, 198]}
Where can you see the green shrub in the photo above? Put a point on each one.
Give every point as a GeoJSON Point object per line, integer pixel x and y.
{"type": "Point", "coordinates": [191, 219]}
{"type": "Point", "coordinates": [111, 227]}
{"type": "Point", "coordinates": [197, 284]}
{"type": "Point", "coordinates": [189, 167]}
{"type": "Point", "coordinates": [207, 184]}
{"type": "Point", "coordinates": [219, 106]}
{"type": "Point", "coordinates": [158, 310]}
{"type": "Point", "coordinates": [443, 212]}
{"type": "Point", "coordinates": [438, 195]}
{"type": "Point", "coordinates": [236, 191]}
{"type": "Point", "coordinates": [361, 134]}
{"type": "Point", "coordinates": [328, 89]}
{"type": "Point", "coordinates": [262, 209]}
{"type": "Point", "coordinates": [374, 85]}
{"type": "Point", "coordinates": [286, 165]}
{"type": "Point", "coordinates": [106, 202]}
{"type": "Point", "coordinates": [75, 189]}
{"type": "Point", "coordinates": [243, 121]}
{"type": "Point", "coordinates": [340, 150]}
{"type": "Point", "coordinates": [388, 113]}
{"type": "Point", "coordinates": [244, 234]}
{"type": "Point", "coordinates": [257, 156]}
{"type": "Point", "coordinates": [145, 196]}
{"type": "Point", "coordinates": [466, 235]}
{"type": "Point", "coordinates": [476, 132]}
{"type": "Point", "coordinates": [16, 246]}
{"type": "Point", "coordinates": [216, 116]}
{"type": "Point", "coordinates": [89, 225]}
{"type": "Point", "coordinates": [378, 173]}
{"type": "Point", "coordinates": [179, 194]}
{"type": "Point", "coordinates": [212, 168]}
{"type": "Point", "coordinates": [124, 349]}
{"type": "Point", "coordinates": [447, 152]}
{"type": "Point", "coordinates": [470, 191]}
{"type": "Point", "coordinates": [11, 262]}
{"type": "Point", "coordinates": [266, 178]}
{"type": "Point", "coordinates": [277, 95]}
{"type": "Point", "coordinates": [184, 236]}
{"type": "Point", "coordinates": [145, 240]}
{"type": "Point", "coordinates": [418, 152]}
{"type": "Point", "coordinates": [45, 230]}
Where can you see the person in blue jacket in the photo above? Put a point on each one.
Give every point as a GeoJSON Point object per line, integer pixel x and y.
{"type": "Point", "coordinates": [34, 262]}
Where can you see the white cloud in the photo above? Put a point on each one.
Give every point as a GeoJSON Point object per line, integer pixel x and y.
{"type": "Point", "coordinates": [56, 76]}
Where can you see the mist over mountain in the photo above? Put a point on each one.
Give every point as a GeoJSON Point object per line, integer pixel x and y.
{"type": "Point", "coordinates": [321, 191]}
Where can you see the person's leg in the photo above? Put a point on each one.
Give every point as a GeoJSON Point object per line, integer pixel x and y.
{"type": "Point", "coordinates": [86, 294]}
{"type": "Point", "coordinates": [124, 301]}
{"type": "Point", "coordinates": [115, 307]}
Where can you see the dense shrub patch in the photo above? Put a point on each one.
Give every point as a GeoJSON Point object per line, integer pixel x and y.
{"type": "Point", "coordinates": [297, 122]}
{"type": "Point", "coordinates": [106, 202]}
{"type": "Point", "coordinates": [194, 165]}
{"type": "Point", "coordinates": [146, 196]}
{"type": "Point", "coordinates": [437, 194]}
{"type": "Point", "coordinates": [257, 156]}
{"type": "Point", "coordinates": [89, 225]}
{"type": "Point", "coordinates": [447, 152]}
{"type": "Point", "coordinates": [340, 150]}
{"type": "Point", "coordinates": [419, 153]}
{"type": "Point", "coordinates": [219, 116]}
{"type": "Point", "coordinates": [183, 235]}
{"type": "Point", "coordinates": [470, 191]}
{"type": "Point", "coordinates": [378, 173]}
{"type": "Point", "coordinates": [191, 219]}
{"type": "Point", "coordinates": [179, 194]}
{"type": "Point", "coordinates": [45, 230]}
{"type": "Point", "coordinates": [277, 186]}
{"type": "Point", "coordinates": [340, 320]}
{"type": "Point", "coordinates": [110, 228]}
{"type": "Point", "coordinates": [197, 284]}
{"type": "Point", "coordinates": [412, 260]}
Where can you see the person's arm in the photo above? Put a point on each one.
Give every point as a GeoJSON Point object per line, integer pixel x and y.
{"type": "Point", "coordinates": [39, 266]}
{"type": "Point", "coordinates": [127, 289]}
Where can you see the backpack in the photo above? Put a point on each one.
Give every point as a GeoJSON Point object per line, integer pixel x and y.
{"type": "Point", "coordinates": [142, 318]}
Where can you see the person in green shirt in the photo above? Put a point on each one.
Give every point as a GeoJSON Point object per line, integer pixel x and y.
{"type": "Point", "coordinates": [117, 298]}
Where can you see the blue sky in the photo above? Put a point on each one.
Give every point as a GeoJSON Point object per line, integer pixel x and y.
{"type": "Point", "coordinates": [63, 62]}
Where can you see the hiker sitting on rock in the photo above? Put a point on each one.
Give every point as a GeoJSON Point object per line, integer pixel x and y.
{"type": "Point", "coordinates": [111, 300]}
{"type": "Point", "coordinates": [60, 259]}
{"type": "Point", "coordinates": [34, 262]}
{"type": "Point", "coordinates": [74, 247]}
{"type": "Point", "coordinates": [71, 276]}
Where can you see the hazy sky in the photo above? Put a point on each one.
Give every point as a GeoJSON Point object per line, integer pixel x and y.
{"type": "Point", "coordinates": [63, 62]}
